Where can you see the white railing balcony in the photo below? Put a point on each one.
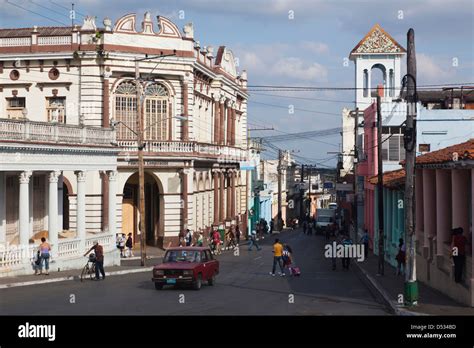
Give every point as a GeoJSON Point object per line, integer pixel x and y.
{"type": "Point", "coordinates": [187, 148]}
{"type": "Point", "coordinates": [32, 131]}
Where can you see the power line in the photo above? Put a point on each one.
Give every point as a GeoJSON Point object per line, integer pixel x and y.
{"type": "Point", "coordinates": [314, 88]}
{"type": "Point", "coordinates": [55, 3]}
{"type": "Point", "coordinates": [47, 8]}
{"type": "Point", "coordinates": [36, 13]}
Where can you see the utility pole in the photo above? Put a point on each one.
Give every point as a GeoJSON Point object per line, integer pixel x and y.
{"type": "Point", "coordinates": [310, 201]}
{"type": "Point", "coordinates": [411, 285]}
{"type": "Point", "coordinates": [380, 185]}
{"type": "Point", "coordinates": [141, 166]}
{"type": "Point", "coordinates": [279, 169]}
{"type": "Point", "coordinates": [302, 215]}
{"type": "Point", "coordinates": [356, 158]}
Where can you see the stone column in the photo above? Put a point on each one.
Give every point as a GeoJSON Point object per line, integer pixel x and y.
{"type": "Point", "coordinates": [221, 197]}
{"type": "Point", "coordinates": [112, 199]}
{"type": "Point", "coordinates": [232, 195]}
{"type": "Point", "coordinates": [222, 120]}
{"type": "Point", "coordinates": [53, 211]}
{"type": "Point", "coordinates": [429, 209]}
{"type": "Point", "coordinates": [24, 208]}
{"type": "Point", "coordinates": [229, 123]}
{"type": "Point", "coordinates": [184, 198]}
{"type": "Point", "coordinates": [215, 174]}
{"type": "Point", "coordinates": [234, 120]}
{"type": "Point", "coordinates": [185, 124]}
{"type": "Point", "coordinates": [443, 211]}
{"type": "Point", "coordinates": [81, 209]}
{"type": "Point", "coordinates": [217, 119]}
{"type": "Point", "coordinates": [3, 218]}
{"type": "Point", "coordinates": [60, 202]}
{"type": "Point", "coordinates": [229, 195]}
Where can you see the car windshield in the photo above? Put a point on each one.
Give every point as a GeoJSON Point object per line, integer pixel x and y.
{"type": "Point", "coordinates": [324, 219]}
{"type": "Point", "coordinates": [182, 256]}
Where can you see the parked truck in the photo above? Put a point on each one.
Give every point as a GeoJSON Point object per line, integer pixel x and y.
{"type": "Point", "coordinates": [324, 218]}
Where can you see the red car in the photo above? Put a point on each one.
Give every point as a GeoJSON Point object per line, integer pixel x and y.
{"type": "Point", "coordinates": [186, 266]}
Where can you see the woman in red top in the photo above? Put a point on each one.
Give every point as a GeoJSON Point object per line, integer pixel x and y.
{"type": "Point", "coordinates": [458, 247]}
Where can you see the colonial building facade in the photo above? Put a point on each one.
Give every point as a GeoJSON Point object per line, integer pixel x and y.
{"type": "Point", "coordinates": [77, 82]}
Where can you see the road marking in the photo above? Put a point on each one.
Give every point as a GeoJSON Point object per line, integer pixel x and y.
{"type": "Point", "coordinates": [62, 279]}
{"type": "Point", "coordinates": [258, 258]}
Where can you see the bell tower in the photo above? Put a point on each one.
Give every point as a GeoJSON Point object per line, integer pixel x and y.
{"type": "Point", "coordinates": [377, 50]}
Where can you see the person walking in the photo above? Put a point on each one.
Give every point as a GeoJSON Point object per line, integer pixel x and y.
{"type": "Point", "coordinates": [365, 240]}
{"type": "Point", "coordinates": [277, 258]}
{"type": "Point", "coordinates": [129, 246]}
{"type": "Point", "coordinates": [305, 226]}
{"type": "Point", "coordinates": [45, 253]}
{"type": "Point", "coordinates": [182, 238]}
{"type": "Point", "coordinates": [287, 257]}
{"type": "Point", "coordinates": [346, 242]}
{"type": "Point", "coordinates": [237, 234]}
{"type": "Point", "coordinates": [401, 257]}
{"type": "Point", "coordinates": [121, 244]}
{"type": "Point", "coordinates": [216, 242]}
{"type": "Point", "coordinates": [188, 237]}
{"type": "Point", "coordinates": [272, 225]}
{"type": "Point", "coordinates": [200, 240]}
{"type": "Point", "coordinates": [310, 227]}
{"type": "Point", "coordinates": [99, 259]}
{"type": "Point", "coordinates": [458, 252]}
{"type": "Point", "coordinates": [253, 240]}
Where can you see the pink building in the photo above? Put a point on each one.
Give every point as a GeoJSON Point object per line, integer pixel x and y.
{"type": "Point", "coordinates": [445, 200]}
{"type": "Point", "coordinates": [368, 168]}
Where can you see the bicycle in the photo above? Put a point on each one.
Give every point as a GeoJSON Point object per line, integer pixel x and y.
{"type": "Point", "coordinates": [89, 268]}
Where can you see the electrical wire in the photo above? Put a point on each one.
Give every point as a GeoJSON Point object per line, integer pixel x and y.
{"type": "Point", "coordinates": [36, 13]}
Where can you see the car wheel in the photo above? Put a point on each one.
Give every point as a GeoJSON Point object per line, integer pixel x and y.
{"type": "Point", "coordinates": [158, 286]}
{"type": "Point", "coordinates": [211, 281]}
{"type": "Point", "coordinates": [197, 283]}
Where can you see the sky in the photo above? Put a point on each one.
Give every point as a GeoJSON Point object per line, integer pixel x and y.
{"type": "Point", "coordinates": [295, 43]}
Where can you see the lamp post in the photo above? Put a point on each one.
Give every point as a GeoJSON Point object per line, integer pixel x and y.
{"type": "Point", "coordinates": [141, 170]}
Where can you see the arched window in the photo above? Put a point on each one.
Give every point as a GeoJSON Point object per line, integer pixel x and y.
{"type": "Point", "coordinates": [126, 109]}
{"type": "Point", "coordinates": [156, 112]}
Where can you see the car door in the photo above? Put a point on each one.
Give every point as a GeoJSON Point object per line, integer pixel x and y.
{"type": "Point", "coordinates": [211, 264]}
{"type": "Point", "coordinates": [205, 265]}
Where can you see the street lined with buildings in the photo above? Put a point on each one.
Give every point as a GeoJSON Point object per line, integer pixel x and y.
{"type": "Point", "coordinates": [114, 130]}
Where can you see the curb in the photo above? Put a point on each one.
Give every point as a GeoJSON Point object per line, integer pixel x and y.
{"type": "Point", "coordinates": [62, 279]}
{"type": "Point", "coordinates": [385, 297]}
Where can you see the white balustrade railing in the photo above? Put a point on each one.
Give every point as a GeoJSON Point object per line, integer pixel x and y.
{"type": "Point", "coordinates": [68, 248]}
{"type": "Point", "coordinates": [25, 130]}
{"type": "Point", "coordinates": [105, 239]}
{"type": "Point", "coordinates": [203, 149]}
{"type": "Point", "coordinates": [12, 256]}
{"type": "Point", "coordinates": [15, 41]}
{"type": "Point", "coordinates": [54, 40]}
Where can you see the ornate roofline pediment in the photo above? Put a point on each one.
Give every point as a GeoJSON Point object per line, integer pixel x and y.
{"type": "Point", "coordinates": [377, 41]}
{"type": "Point", "coordinates": [167, 28]}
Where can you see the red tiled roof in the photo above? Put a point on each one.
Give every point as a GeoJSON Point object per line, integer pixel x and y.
{"type": "Point", "coordinates": [464, 150]}
{"type": "Point", "coordinates": [390, 179]}
{"type": "Point", "coordinates": [42, 31]}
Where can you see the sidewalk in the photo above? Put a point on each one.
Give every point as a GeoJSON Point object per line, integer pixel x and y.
{"type": "Point", "coordinates": [127, 266]}
{"type": "Point", "coordinates": [390, 286]}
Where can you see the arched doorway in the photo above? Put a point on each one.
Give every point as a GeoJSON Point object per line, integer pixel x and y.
{"type": "Point", "coordinates": [131, 214]}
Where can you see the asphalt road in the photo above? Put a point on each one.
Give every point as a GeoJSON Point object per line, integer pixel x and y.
{"type": "Point", "coordinates": [243, 287]}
